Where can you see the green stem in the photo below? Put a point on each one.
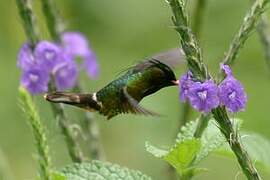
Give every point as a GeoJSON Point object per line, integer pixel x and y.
{"type": "Point", "coordinates": [264, 33]}
{"type": "Point", "coordinates": [38, 130]}
{"type": "Point", "coordinates": [200, 72]}
{"type": "Point", "coordinates": [94, 145]}
{"type": "Point", "coordinates": [92, 130]}
{"type": "Point", "coordinates": [186, 110]}
{"type": "Point", "coordinates": [27, 16]}
{"type": "Point", "coordinates": [188, 42]}
{"type": "Point", "coordinates": [28, 20]}
{"type": "Point", "coordinates": [54, 24]}
{"type": "Point", "coordinates": [52, 19]}
{"type": "Point", "coordinates": [245, 30]}
{"type": "Point", "coordinates": [202, 124]}
{"type": "Point", "coordinates": [233, 139]}
{"type": "Point", "coordinates": [73, 147]}
{"type": "Point", "coordinates": [197, 26]}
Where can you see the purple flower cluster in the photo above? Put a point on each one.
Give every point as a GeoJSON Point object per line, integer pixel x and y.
{"type": "Point", "coordinates": [56, 62]}
{"type": "Point", "coordinates": [204, 96]}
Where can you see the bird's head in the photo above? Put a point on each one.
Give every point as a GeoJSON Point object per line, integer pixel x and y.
{"type": "Point", "coordinates": [166, 76]}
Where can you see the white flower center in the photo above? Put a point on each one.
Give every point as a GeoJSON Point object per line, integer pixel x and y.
{"type": "Point", "coordinates": [49, 55]}
{"type": "Point", "coordinates": [33, 78]}
{"type": "Point", "coordinates": [232, 95]}
{"type": "Point", "coordinates": [202, 95]}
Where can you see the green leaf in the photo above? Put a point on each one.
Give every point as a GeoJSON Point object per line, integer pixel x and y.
{"type": "Point", "coordinates": [211, 140]}
{"type": "Point", "coordinates": [97, 170]}
{"type": "Point", "coordinates": [58, 176]}
{"type": "Point", "coordinates": [159, 153]}
{"type": "Point", "coordinates": [182, 154]}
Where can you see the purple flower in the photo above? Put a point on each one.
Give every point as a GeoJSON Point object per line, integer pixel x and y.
{"type": "Point", "coordinates": [47, 54]}
{"type": "Point", "coordinates": [184, 84]}
{"type": "Point", "coordinates": [231, 92]}
{"type": "Point", "coordinates": [76, 45]}
{"type": "Point", "coordinates": [65, 73]}
{"type": "Point", "coordinates": [91, 66]}
{"type": "Point", "coordinates": [35, 80]}
{"type": "Point", "coordinates": [203, 96]}
{"type": "Point", "coordinates": [25, 59]}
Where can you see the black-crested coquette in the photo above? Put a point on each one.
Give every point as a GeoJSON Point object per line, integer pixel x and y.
{"type": "Point", "coordinates": [123, 94]}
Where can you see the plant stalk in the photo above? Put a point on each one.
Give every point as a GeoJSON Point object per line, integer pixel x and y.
{"type": "Point", "coordinates": [247, 27]}
{"type": "Point", "coordinates": [38, 131]}
{"type": "Point", "coordinates": [55, 26]}
{"type": "Point", "coordinates": [233, 139]}
{"type": "Point", "coordinates": [197, 26]}
{"type": "Point", "coordinates": [264, 34]}
{"type": "Point", "coordinates": [53, 23]}
{"type": "Point", "coordinates": [196, 66]}
{"type": "Point", "coordinates": [28, 20]}
{"type": "Point", "coordinates": [30, 27]}
{"type": "Point", "coordinates": [73, 147]}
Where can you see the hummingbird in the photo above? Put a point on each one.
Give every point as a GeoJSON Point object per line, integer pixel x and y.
{"type": "Point", "coordinates": [123, 94]}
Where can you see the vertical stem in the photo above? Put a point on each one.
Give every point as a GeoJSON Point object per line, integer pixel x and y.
{"type": "Point", "coordinates": [28, 20]}
{"type": "Point", "coordinates": [233, 140]}
{"type": "Point", "coordinates": [72, 145]}
{"type": "Point", "coordinates": [197, 26]}
{"type": "Point", "coordinates": [39, 133]}
{"type": "Point", "coordinates": [250, 21]}
{"type": "Point", "coordinates": [196, 66]}
{"type": "Point", "coordinates": [27, 17]}
{"type": "Point", "coordinates": [202, 124]}
{"type": "Point", "coordinates": [94, 145]}
{"type": "Point", "coordinates": [54, 24]}
{"type": "Point", "coordinates": [264, 33]}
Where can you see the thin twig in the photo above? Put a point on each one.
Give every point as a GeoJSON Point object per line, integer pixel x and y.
{"type": "Point", "coordinates": [196, 66]}
{"type": "Point", "coordinates": [245, 30]}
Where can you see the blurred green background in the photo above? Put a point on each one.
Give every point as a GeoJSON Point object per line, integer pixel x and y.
{"type": "Point", "coordinates": [122, 32]}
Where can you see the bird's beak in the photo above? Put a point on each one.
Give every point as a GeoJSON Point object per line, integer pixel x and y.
{"type": "Point", "coordinates": [175, 82]}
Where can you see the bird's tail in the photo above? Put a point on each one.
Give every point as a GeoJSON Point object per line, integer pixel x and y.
{"type": "Point", "coordinates": [85, 101]}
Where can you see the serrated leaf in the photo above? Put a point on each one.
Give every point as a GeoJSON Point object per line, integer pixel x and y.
{"type": "Point", "coordinates": [211, 139]}
{"type": "Point", "coordinates": [180, 156]}
{"type": "Point", "coordinates": [159, 153]}
{"type": "Point", "coordinates": [97, 170]}
{"type": "Point", "coordinates": [183, 154]}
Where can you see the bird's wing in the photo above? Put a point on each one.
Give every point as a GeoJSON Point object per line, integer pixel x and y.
{"type": "Point", "coordinates": [172, 57]}
{"type": "Point", "coordinates": [134, 107]}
